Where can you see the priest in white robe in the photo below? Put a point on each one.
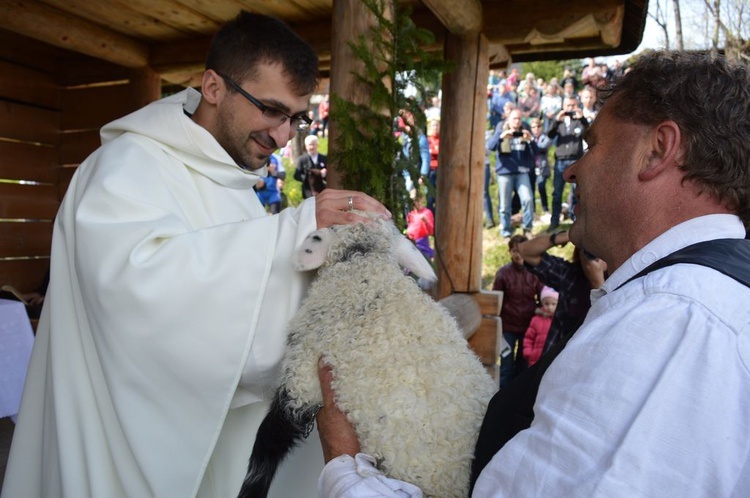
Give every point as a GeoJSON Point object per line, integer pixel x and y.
{"type": "Point", "coordinates": [160, 342]}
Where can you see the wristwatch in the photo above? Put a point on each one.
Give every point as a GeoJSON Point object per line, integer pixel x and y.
{"type": "Point", "coordinates": [552, 238]}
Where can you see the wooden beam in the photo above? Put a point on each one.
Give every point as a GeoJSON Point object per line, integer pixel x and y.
{"type": "Point", "coordinates": [463, 20]}
{"type": "Point", "coordinates": [465, 310]}
{"type": "Point", "coordinates": [180, 57]}
{"type": "Point", "coordinates": [62, 30]}
{"type": "Point", "coordinates": [511, 25]}
{"type": "Point", "coordinates": [145, 87]}
{"type": "Point", "coordinates": [460, 183]}
{"type": "Point", "coordinates": [179, 62]}
{"type": "Point", "coordinates": [508, 25]}
{"type": "Point", "coordinates": [499, 56]}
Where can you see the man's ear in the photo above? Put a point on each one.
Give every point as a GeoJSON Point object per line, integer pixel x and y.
{"type": "Point", "coordinates": [666, 145]}
{"type": "Point", "coordinates": [212, 86]}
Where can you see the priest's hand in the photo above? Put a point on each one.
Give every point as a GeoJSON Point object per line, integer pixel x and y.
{"type": "Point", "coordinates": [338, 207]}
{"type": "Point", "coordinates": [337, 434]}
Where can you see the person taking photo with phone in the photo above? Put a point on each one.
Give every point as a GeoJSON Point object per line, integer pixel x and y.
{"type": "Point", "coordinates": [516, 151]}
{"type": "Point", "coordinates": [568, 133]}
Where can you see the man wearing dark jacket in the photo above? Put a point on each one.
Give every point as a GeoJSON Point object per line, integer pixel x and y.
{"type": "Point", "coordinates": [569, 134]}
{"type": "Point", "coordinates": [311, 169]}
{"type": "Point", "coordinates": [516, 151]}
{"type": "Point", "coordinates": [521, 292]}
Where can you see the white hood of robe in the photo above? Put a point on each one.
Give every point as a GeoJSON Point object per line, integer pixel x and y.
{"type": "Point", "coordinates": [169, 284]}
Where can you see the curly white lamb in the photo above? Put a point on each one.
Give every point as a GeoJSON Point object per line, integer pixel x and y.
{"type": "Point", "coordinates": [414, 391]}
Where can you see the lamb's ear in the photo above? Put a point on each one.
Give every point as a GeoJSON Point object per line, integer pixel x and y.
{"type": "Point", "coordinates": [313, 251]}
{"type": "Point", "coordinates": [412, 259]}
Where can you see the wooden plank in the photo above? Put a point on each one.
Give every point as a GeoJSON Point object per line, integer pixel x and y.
{"type": "Point", "coordinates": [28, 124]}
{"type": "Point", "coordinates": [35, 20]}
{"type": "Point", "coordinates": [460, 21]}
{"type": "Point", "coordinates": [35, 202]}
{"type": "Point", "coordinates": [466, 312]}
{"type": "Point", "coordinates": [91, 108]}
{"type": "Point", "coordinates": [484, 342]}
{"type": "Point", "coordinates": [171, 13]}
{"type": "Point", "coordinates": [28, 85]}
{"type": "Point", "coordinates": [28, 52]}
{"type": "Point", "coordinates": [145, 87]}
{"type": "Point", "coordinates": [490, 302]}
{"type": "Point", "coordinates": [24, 161]}
{"type": "Point", "coordinates": [25, 275]}
{"type": "Point", "coordinates": [66, 175]}
{"type": "Point", "coordinates": [84, 70]}
{"type": "Point", "coordinates": [130, 21]}
{"type": "Point", "coordinates": [550, 17]}
{"type": "Point", "coordinates": [76, 146]}
{"type": "Point", "coordinates": [18, 239]}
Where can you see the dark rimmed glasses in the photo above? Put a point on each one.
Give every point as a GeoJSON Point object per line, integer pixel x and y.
{"type": "Point", "coordinates": [300, 121]}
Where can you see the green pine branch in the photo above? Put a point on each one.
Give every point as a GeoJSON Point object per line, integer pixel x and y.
{"type": "Point", "coordinates": [368, 151]}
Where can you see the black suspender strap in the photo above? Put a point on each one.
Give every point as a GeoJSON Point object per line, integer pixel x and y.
{"type": "Point", "coordinates": [728, 256]}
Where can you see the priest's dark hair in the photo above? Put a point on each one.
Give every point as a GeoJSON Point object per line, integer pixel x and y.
{"type": "Point", "coordinates": [249, 40]}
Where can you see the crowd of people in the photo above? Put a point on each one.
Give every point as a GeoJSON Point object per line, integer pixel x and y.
{"type": "Point", "coordinates": [527, 118]}
{"type": "Point", "coordinates": [140, 385]}
{"type": "Point", "coordinates": [556, 113]}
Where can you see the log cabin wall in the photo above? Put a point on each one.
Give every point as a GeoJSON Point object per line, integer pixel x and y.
{"type": "Point", "coordinates": [30, 111]}
{"type": "Point", "coordinates": [84, 110]}
{"type": "Point", "coordinates": [46, 130]}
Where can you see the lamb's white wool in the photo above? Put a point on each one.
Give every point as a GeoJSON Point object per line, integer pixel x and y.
{"type": "Point", "coordinates": [403, 372]}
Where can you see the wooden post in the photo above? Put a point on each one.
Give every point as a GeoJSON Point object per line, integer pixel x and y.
{"type": "Point", "coordinates": [460, 183]}
{"type": "Point", "coordinates": [145, 87]}
{"type": "Point", "coordinates": [350, 18]}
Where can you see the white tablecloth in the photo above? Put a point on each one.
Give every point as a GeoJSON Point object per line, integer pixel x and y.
{"type": "Point", "coordinates": [16, 340]}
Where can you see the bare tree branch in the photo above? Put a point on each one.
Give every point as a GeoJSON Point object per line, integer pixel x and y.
{"type": "Point", "coordinates": [661, 20]}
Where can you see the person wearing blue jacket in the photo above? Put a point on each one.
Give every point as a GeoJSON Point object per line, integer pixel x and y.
{"type": "Point", "coordinates": [516, 152]}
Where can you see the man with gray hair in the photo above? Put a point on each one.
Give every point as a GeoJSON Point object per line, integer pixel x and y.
{"type": "Point", "coordinates": [311, 169]}
{"type": "Point", "coordinates": [649, 397]}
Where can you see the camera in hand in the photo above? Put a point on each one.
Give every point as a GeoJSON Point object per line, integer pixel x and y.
{"type": "Point", "coordinates": [570, 113]}
{"type": "Point", "coordinates": [517, 133]}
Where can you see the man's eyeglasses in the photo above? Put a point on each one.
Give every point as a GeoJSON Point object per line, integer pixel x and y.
{"type": "Point", "coordinates": [300, 121]}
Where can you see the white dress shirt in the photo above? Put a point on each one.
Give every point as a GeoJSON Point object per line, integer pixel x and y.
{"type": "Point", "coordinates": [649, 397]}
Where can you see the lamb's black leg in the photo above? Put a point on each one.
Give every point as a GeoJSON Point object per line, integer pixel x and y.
{"type": "Point", "coordinates": [278, 434]}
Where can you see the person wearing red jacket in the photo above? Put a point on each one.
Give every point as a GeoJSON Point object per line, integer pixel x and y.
{"type": "Point", "coordinates": [536, 334]}
{"type": "Point", "coordinates": [420, 225]}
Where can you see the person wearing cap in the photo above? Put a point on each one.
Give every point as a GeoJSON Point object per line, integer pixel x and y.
{"type": "Point", "coordinates": [536, 334]}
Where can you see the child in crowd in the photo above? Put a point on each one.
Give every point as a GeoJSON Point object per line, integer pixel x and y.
{"type": "Point", "coordinates": [536, 334]}
{"type": "Point", "coordinates": [270, 188]}
{"type": "Point", "coordinates": [420, 224]}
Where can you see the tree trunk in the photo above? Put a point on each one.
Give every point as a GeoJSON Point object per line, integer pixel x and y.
{"type": "Point", "coordinates": [678, 24]}
{"type": "Point", "coordinates": [717, 27]}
